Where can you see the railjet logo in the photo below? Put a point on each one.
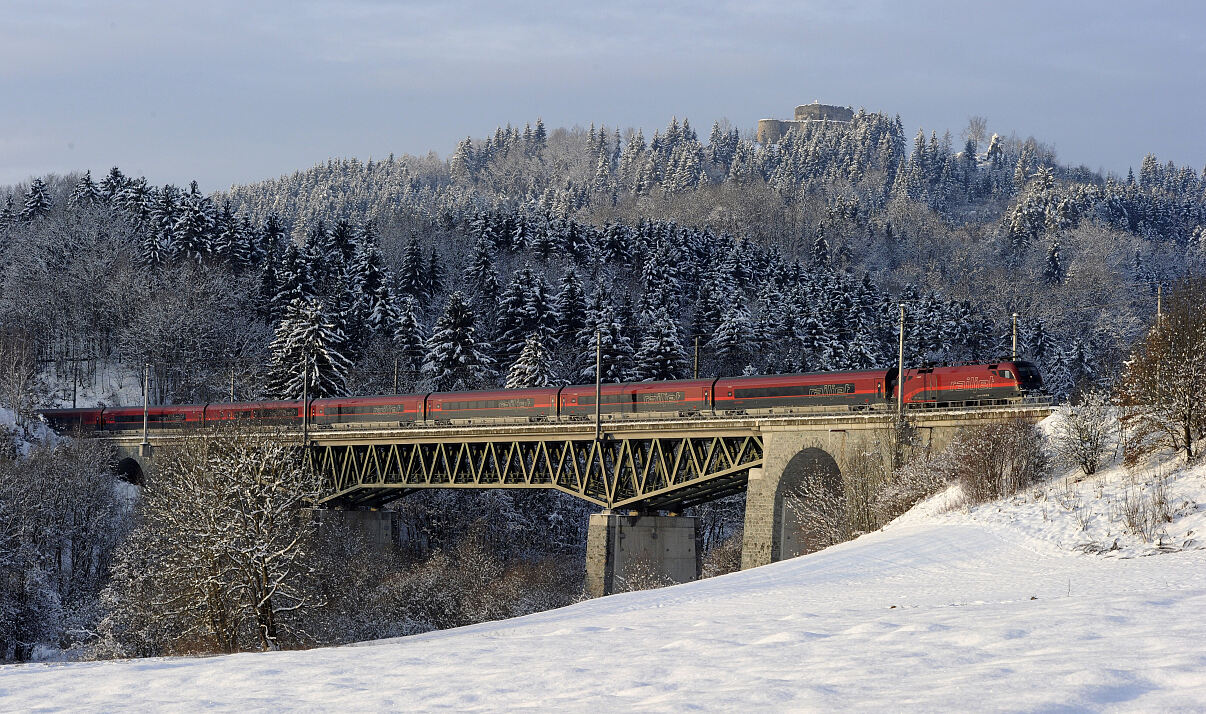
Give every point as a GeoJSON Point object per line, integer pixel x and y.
{"type": "Point", "coordinates": [972, 382]}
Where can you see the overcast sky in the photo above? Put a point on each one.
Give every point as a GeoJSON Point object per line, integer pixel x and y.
{"type": "Point", "coordinates": [231, 92]}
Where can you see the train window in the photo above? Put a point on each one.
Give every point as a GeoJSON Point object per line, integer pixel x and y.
{"type": "Point", "coordinates": [795, 391]}
{"type": "Point", "coordinates": [605, 399]}
{"type": "Point", "coordinates": [1006, 374]}
{"type": "Point", "coordinates": [491, 404]}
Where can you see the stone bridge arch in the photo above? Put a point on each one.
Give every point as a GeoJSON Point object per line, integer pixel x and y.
{"type": "Point", "coordinates": [811, 481]}
{"type": "Point", "coordinates": [130, 470]}
{"type": "Point", "coordinates": [796, 466]}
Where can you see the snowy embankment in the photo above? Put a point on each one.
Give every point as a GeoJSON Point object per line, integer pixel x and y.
{"type": "Point", "coordinates": [997, 607]}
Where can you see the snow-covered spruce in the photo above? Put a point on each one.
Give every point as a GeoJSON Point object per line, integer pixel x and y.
{"type": "Point", "coordinates": [307, 353]}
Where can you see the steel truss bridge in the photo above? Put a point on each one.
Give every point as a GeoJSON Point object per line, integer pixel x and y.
{"type": "Point", "coordinates": [647, 464]}
{"type": "Point", "coordinates": [669, 468]}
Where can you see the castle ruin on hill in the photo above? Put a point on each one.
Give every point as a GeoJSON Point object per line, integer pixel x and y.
{"type": "Point", "coordinates": [771, 131]}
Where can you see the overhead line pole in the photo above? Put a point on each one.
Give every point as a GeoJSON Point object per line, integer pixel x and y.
{"type": "Point", "coordinates": [598, 384]}
{"type": "Point", "coordinates": [900, 367]}
{"type": "Point", "coordinates": [305, 401]}
{"type": "Point", "coordinates": [1015, 337]}
{"type": "Point", "coordinates": [145, 447]}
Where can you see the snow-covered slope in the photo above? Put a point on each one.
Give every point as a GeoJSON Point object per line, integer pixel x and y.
{"type": "Point", "coordinates": [1006, 606]}
{"type": "Point", "coordinates": [932, 615]}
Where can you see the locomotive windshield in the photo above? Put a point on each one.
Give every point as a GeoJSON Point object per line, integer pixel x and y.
{"type": "Point", "coordinates": [1028, 376]}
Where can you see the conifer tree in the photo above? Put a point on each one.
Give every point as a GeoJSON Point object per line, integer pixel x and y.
{"type": "Point", "coordinates": [194, 226]}
{"type": "Point", "coordinates": [820, 248]}
{"type": "Point", "coordinates": [732, 339]}
{"type": "Point", "coordinates": [292, 279]}
{"type": "Point", "coordinates": [308, 349]}
{"type": "Point", "coordinates": [569, 309]}
{"type": "Point", "coordinates": [85, 192]}
{"type": "Point", "coordinates": [7, 215]}
{"type": "Point", "coordinates": [534, 367]}
{"type": "Point", "coordinates": [412, 281]}
{"type": "Point", "coordinates": [454, 358]}
{"type": "Point", "coordinates": [435, 276]}
{"type": "Point", "coordinates": [603, 326]}
{"type": "Point", "coordinates": [521, 310]}
{"type": "Point", "coordinates": [661, 355]}
{"type": "Point", "coordinates": [113, 184]}
{"type": "Point", "coordinates": [409, 341]}
{"type": "Point", "coordinates": [1053, 271]}
{"type": "Point", "coordinates": [383, 314]}
{"type": "Point", "coordinates": [269, 288]}
{"type": "Point", "coordinates": [481, 277]}
{"type": "Point", "coordinates": [37, 201]}
{"type": "Point", "coordinates": [273, 235]}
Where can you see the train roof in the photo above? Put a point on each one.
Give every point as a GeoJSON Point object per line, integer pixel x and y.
{"type": "Point", "coordinates": [809, 376]}
{"type": "Point", "coordinates": [373, 400]}
{"type": "Point", "coordinates": [488, 393]}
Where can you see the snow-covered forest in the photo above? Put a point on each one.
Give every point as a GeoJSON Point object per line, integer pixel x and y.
{"type": "Point", "coordinates": [774, 258]}
{"type": "Point", "coordinates": [498, 266]}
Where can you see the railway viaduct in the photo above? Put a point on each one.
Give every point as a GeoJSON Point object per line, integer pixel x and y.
{"type": "Point", "coordinates": [642, 474]}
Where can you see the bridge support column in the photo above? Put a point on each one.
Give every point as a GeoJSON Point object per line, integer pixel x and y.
{"type": "Point", "coordinates": [638, 552]}
{"type": "Point", "coordinates": [378, 528]}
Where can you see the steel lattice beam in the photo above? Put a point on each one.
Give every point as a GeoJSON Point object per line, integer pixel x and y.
{"type": "Point", "coordinates": [614, 472]}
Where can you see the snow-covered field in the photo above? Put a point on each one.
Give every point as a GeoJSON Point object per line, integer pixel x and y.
{"type": "Point", "coordinates": [993, 608]}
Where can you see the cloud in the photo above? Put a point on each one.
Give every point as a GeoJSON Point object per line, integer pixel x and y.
{"type": "Point", "coordinates": [238, 90]}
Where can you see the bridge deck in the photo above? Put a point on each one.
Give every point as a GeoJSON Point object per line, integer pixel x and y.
{"type": "Point", "coordinates": [652, 463]}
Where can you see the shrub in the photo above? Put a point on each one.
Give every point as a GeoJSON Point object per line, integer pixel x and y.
{"type": "Point", "coordinates": [997, 460]}
{"type": "Point", "coordinates": [1086, 433]}
{"type": "Point", "coordinates": [724, 558]}
{"type": "Point", "coordinates": [910, 484]}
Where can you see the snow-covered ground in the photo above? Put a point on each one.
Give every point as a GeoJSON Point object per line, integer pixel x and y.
{"type": "Point", "coordinates": [997, 607]}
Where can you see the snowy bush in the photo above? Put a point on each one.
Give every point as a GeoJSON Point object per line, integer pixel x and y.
{"type": "Point", "coordinates": [819, 506]}
{"type": "Point", "coordinates": [218, 560]}
{"type": "Point", "coordinates": [464, 585]}
{"type": "Point", "coordinates": [912, 483]}
{"type": "Point", "coordinates": [997, 460]}
{"type": "Point", "coordinates": [723, 558]}
{"type": "Point", "coordinates": [1086, 432]}
{"type": "Point", "coordinates": [62, 514]}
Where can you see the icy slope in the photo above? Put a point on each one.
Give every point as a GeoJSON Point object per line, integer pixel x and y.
{"type": "Point", "coordinates": [930, 615]}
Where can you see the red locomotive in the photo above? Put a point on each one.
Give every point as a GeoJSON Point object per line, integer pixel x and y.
{"type": "Point", "coordinates": [930, 387]}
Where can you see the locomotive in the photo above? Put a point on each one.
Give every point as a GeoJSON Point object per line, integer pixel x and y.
{"type": "Point", "coordinates": [820, 392]}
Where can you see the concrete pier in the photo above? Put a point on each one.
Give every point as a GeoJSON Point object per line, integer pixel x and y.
{"type": "Point", "coordinates": [378, 528]}
{"type": "Point", "coordinates": [638, 552]}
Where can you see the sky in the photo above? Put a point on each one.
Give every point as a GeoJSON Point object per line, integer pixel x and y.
{"type": "Point", "coordinates": [234, 92]}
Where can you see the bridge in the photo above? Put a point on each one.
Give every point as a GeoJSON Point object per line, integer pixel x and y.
{"type": "Point", "coordinates": [642, 473]}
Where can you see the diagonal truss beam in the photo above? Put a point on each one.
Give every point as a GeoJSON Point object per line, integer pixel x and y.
{"type": "Point", "coordinates": [613, 472]}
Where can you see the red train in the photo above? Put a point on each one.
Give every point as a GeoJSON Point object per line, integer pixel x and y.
{"type": "Point", "coordinates": [931, 387]}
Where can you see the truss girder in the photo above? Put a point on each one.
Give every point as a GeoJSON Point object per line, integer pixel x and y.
{"type": "Point", "coordinates": [613, 472]}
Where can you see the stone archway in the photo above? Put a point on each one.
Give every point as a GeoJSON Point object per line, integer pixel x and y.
{"type": "Point", "coordinates": [809, 504]}
{"type": "Point", "coordinates": [129, 470]}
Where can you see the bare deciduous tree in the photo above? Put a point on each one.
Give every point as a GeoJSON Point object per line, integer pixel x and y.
{"type": "Point", "coordinates": [18, 372]}
{"type": "Point", "coordinates": [218, 560]}
{"type": "Point", "coordinates": [1163, 389]}
{"type": "Point", "coordinates": [1086, 432]}
{"type": "Point", "coordinates": [61, 517]}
